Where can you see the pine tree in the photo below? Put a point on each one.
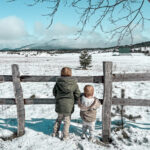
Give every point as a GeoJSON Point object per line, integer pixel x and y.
{"type": "Point", "coordinates": [85, 59]}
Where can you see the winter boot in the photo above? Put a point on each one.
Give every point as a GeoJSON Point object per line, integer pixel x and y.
{"type": "Point", "coordinates": [83, 136]}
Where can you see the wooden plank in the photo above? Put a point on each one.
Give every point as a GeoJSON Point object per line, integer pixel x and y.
{"type": "Point", "coordinates": [131, 77]}
{"type": "Point", "coordinates": [32, 78]}
{"type": "Point", "coordinates": [28, 101]}
{"type": "Point", "coordinates": [39, 101]}
{"type": "Point", "coordinates": [131, 102]}
{"type": "Point", "coordinates": [7, 101]}
{"type": "Point", "coordinates": [19, 100]}
{"type": "Point", "coordinates": [5, 78]}
{"type": "Point", "coordinates": [98, 79]}
{"type": "Point", "coordinates": [122, 111]}
{"type": "Point", "coordinates": [115, 101]}
{"type": "Point", "coordinates": [106, 109]}
{"type": "Point", "coordinates": [38, 78]}
{"type": "Point", "coordinates": [83, 79]}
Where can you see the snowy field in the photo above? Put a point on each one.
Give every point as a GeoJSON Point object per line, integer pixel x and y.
{"type": "Point", "coordinates": [40, 118]}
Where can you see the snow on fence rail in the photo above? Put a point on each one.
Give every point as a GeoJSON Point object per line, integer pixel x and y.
{"type": "Point", "coordinates": [106, 79]}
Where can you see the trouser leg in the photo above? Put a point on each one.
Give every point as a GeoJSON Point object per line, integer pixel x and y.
{"type": "Point", "coordinates": [91, 130]}
{"type": "Point", "coordinates": [58, 123]}
{"type": "Point", "coordinates": [66, 126]}
{"type": "Point", "coordinates": [84, 129]}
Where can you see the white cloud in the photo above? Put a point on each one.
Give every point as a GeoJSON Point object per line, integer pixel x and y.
{"type": "Point", "coordinates": [12, 28]}
{"type": "Point", "coordinates": [39, 29]}
{"type": "Point", "coordinates": [12, 32]}
{"type": "Point", "coordinates": [56, 31]}
{"type": "Point", "coordinates": [67, 35]}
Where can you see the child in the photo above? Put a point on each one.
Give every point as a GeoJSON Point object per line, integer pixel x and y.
{"type": "Point", "coordinates": [88, 105]}
{"type": "Point", "coordinates": [66, 92]}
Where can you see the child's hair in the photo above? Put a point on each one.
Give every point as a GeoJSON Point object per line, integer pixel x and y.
{"type": "Point", "coordinates": [66, 72]}
{"type": "Point", "coordinates": [88, 90]}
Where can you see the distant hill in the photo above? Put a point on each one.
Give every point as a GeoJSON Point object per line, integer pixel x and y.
{"type": "Point", "coordinates": [54, 45]}
{"type": "Point", "coordinates": [49, 45]}
{"type": "Point", "coordinates": [143, 44]}
{"type": "Point", "coordinates": [5, 49]}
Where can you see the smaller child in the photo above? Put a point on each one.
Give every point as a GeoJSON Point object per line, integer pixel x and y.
{"type": "Point", "coordinates": [88, 105]}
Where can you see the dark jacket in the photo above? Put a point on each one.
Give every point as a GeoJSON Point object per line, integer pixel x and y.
{"type": "Point", "coordinates": [66, 92]}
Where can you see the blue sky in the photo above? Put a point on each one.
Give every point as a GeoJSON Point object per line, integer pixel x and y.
{"type": "Point", "coordinates": [22, 25]}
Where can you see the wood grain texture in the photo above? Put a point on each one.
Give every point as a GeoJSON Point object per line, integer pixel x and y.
{"type": "Point", "coordinates": [19, 100]}
{"type": "Point", "coordinates": [130, 102]}
{"type": "Point", "coordinates": [5, 78]}
{"type": "Point", "coordinates": [106, 109]}
{"type": "Point", "coordinates": [84, 79]}
{"type": "Point", "coordinates": [115, 101]}
{"type": "Point", "coordinates": [32, 78]}
{"type": "Point", "coordinates": [131, 77]}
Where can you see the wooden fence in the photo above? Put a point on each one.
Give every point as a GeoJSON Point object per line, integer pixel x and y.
{"type": "Point", "coordinates": [106, 79]}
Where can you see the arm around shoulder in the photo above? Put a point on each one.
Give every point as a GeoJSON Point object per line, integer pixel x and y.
{"type": "Point", "coordinates": [54, 91]}
{"type": "Point", "coordinates": [96, 104]}
{"type": "Point", "coordinates": [76, 93]}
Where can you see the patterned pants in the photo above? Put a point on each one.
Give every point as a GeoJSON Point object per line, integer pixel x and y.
{"type": "Point", "coordinates": [90, 126]}
{"type": "Point", "coordinates": [57, 125]}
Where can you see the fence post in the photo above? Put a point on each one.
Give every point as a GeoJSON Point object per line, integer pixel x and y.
{"type": "Point", "coordinates": [121, 110]}
{"type": "Point", "coordinates": [107, 97]}
{"type": "Point", "coordinates": [19, 100]}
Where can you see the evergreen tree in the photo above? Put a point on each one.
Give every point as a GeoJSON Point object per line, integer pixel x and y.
{"type": "Point", "coordinates": [85, 59]}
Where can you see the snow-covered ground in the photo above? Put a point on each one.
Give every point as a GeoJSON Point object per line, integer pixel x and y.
{"type": "Point", "coordinates": [40, 118]}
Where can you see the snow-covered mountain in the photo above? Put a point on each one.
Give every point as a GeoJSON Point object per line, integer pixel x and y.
{"type": "Point", "coordinates": [62, 44]}
{"type": "Point", "coordinates": [48, 45]}
{"type": "Point", "coordinates": [59, 44]}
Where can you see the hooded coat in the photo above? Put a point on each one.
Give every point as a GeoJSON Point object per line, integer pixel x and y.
{"type": "Point", "coordinates": [88, 114]}
{"type": "Point", "coordinates": [66, 92]}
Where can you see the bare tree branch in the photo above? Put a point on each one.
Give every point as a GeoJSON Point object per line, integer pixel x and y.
{"type": "Point", "coordinates": [124, 16]}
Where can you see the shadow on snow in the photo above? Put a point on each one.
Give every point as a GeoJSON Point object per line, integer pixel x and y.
{"type": "Point", "coordinates": [127, 124]}
{"type": "Point", "coordinates": [43, 125]}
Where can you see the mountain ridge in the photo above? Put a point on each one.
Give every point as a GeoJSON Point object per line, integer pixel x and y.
{"type": "Point", "coordinates": [55, 46]}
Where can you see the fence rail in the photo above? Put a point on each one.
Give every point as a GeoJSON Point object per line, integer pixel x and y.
{"type": "Point", "coordinates": [130, 102]}
{"type": "Point", "coordinates": [131, 77]}
{"type": "Point", "coordinates": [84, 79]}
{"type": "Point", "coordinates": [115, 101]}
{"type": "Point", "coordinates": [107, 79]}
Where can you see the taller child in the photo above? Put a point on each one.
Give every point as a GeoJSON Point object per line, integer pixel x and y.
{"type": "Point", "coordinates": [66, 92]}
